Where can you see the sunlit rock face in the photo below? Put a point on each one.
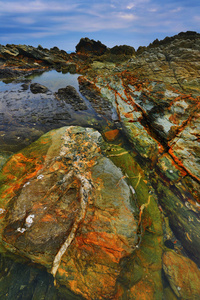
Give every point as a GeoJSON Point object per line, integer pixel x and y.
{"type": "Point", "coordinates": [67, 205]}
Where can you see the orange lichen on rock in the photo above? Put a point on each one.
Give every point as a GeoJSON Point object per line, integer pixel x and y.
{"type": "Point", "coordinates": [111, 135]}
{"type": "Point", "coordinates": [174, 119]}
{"type": "Point", "coordinates": [142, 291]}
{"type": "Point", "coordinates": [180, 163]}
{"type": "Point", "coordinates": [109, 244]}
{"type": "Point", "coordinates": [48, 218]}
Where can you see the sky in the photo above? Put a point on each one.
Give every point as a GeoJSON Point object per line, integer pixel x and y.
{"type": "Point", "coordinates": [63, 23]}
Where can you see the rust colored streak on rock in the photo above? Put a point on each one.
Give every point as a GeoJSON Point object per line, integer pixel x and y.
{"type": "Point", "coordinates": [179, 162]}
{"type": "Point", "coordinates": [109, 244]}
{"type": "Point", "coordinates": [111, 135]}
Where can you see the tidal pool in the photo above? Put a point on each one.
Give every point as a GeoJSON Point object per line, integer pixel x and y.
{"type": "Point", "coordinates": [25, 116]}
{"type": "Point", "coordinates": [54, 80]}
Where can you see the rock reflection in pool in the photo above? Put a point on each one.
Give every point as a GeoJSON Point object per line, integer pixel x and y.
{"type": "Point", "coordinates": [54, 80]}
{"type": "Point", "coordinates": [25, 116]}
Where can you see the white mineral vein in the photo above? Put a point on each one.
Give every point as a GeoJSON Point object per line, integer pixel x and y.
{"type": "Point", "coordinates": [84, 191]}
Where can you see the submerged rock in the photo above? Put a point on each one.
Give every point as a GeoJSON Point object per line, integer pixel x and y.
{"type": "Point", "coordinates": [71, 96]}
{"type": "Point", "coordinates": [38, 88]}
{"type": "Point", "coordinates": [66, 204]}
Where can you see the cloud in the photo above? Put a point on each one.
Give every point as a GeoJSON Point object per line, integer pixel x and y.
{"type": "Point", "coordinates": [24, 20]}
{"type": "Point", "coordinates": [176, 10]}
{"type": "Point", "coordinates": [128, 17]}
{"type": "Point", "coordinates": [130, 6]}
{"type": "Point", "coordinates": [92, 24]}
{"type": "Point", "coordinates": [35, 6]}
{"type": "Point", "coordinates": [153, 10]}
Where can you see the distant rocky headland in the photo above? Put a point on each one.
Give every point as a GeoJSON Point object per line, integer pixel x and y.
{"type": "Point", "coordinates": [100, 185]}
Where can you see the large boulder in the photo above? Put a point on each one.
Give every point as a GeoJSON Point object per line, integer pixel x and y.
{"type": "Point", "coordinates": [66, 206]}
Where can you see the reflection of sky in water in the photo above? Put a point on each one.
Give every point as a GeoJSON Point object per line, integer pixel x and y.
{"type": "Point", "coordinates": [5, 86]}
{"type": "Point", "coordinates": [25, 116]}
{"type": "Point", "coordinates": [54, 80]}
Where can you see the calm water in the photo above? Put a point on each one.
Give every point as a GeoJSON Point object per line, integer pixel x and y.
{"type": "Point", "coordinates": [54, 80]}
{"type": "Point", "coordinates": [25, 116]}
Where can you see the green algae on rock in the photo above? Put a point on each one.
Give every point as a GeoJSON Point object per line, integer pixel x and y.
{"type": "Point", "coordinates": [141, 276]}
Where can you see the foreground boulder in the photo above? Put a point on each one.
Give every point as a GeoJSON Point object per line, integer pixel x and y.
{"type": "Point", "coordinates": [65, 206]}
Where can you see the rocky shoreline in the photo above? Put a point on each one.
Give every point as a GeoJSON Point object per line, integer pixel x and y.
{"type": "Point", "coordinates": [115, 214]}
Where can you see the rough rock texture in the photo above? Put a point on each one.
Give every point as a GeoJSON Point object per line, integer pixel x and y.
{"type": "Point", "coordinates": [66, 205]}
{"type": "Point", "coordinates": [71, 96]}
{"type": "Point", "coordinates": [8, 73]}
{"type": "Point", "coordinates": [87, 46]}
{"type": "Point", "coordinates": [123, 49]}
{"type": "Point", "coordinates": [147, 112]}
{"type": "Point", "coordinates": [21, 58]}
{"type": "Point", "coordinates": [38, 88]}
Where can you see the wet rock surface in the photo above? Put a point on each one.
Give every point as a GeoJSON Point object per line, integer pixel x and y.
{"type": "Point", "coordinates": [71, 96]}
{"type": "Point", "coordinates": [37, 88]}
{"type": "Point", "coordinates": [146, 105]}
{"type": "Point", "coordinates": [8, 73]}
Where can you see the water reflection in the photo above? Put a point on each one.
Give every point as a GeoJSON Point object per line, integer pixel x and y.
{"type": "Point", "coordinates": [25, 116]}
{"type": "Point", "coordinates": [54, 80]}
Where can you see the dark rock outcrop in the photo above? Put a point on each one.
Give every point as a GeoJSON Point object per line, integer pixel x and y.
{"type": "Point", "coordinates": [8, 73]}
{"type": "Point", "coordinates": [87, 46]}
{"type": "Point", "coordinates": [122, 50]}
{"type": "Point", "coordinates": [184, 36]}
{"type": "Point", "coordinates": [24, 56]}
